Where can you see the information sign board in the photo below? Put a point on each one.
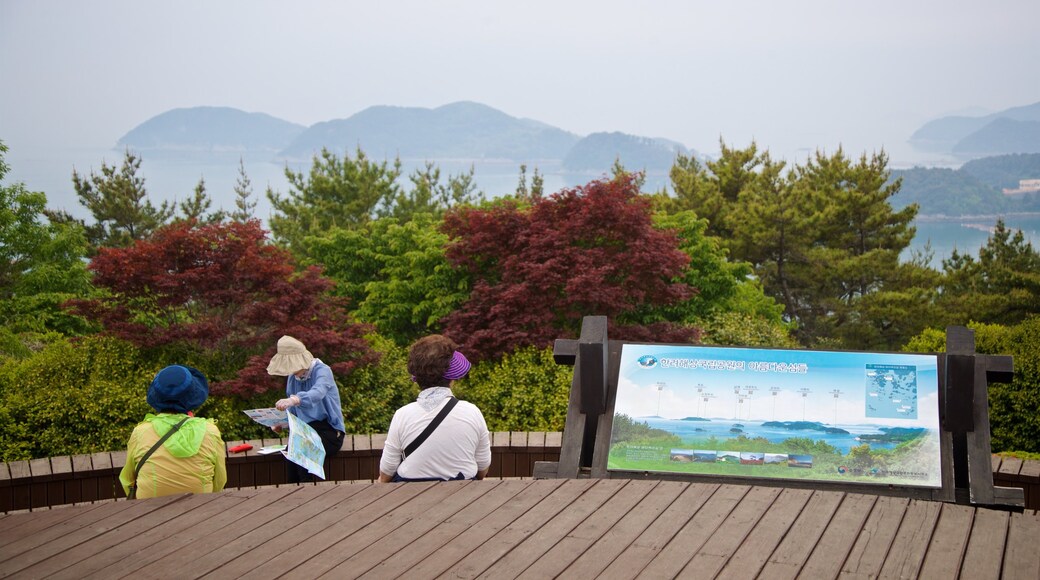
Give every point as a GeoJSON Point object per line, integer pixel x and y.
{"type": "Point", "coordinates": [787, 414]}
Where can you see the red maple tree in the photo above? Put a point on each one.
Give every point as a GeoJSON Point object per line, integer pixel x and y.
{"type": "Point", "coordinates": [589, 250]}
{"type": "Point", "coordinates": [221, 293]}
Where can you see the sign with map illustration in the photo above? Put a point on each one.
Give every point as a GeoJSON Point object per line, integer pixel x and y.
{"type": "Point", "coordinates": [891, 391]}
{"type": "Point", "coordinates": [786, 414]}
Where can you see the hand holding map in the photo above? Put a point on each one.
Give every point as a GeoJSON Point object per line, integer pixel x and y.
{"type": "Point", "coordinates": [269, 417]}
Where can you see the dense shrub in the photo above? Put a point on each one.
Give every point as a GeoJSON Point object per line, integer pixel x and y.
{"type": "Point", "coordinates": [71, 399]}
{"type": "Point", "coordinates": [1014, 408]}
{"type": "Point", "coordinates": [524, 391]}
{"type": "Point", "coordinates": [738, 329]}
{"type": "Point", "coordinates": [372, 393]}
{"type": "Point", "coordinates": [86, 396]}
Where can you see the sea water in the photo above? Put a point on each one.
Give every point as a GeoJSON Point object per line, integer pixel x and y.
{"type": "Point", "coordinates": [175, 180]}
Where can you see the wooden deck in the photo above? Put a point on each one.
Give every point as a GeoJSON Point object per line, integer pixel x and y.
{"type": "Point", "coordinates": [574, 528]}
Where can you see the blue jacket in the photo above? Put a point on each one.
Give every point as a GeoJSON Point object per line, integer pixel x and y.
{"type": "Point", "coordinates": [319, 396]}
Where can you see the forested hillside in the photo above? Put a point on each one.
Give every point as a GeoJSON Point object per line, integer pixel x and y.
{"type": "Point", "coordinates": [974, 189]}
{"type": "Point", "coordinates": [951, 192]}
{"type": "Point", "coordinates": [1004, 171]}
{"type": "Point", "coordinates": [600, 150]}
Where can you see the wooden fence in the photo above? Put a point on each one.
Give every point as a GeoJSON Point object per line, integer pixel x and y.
{"type": "Point", "coordinates": [41, 483]}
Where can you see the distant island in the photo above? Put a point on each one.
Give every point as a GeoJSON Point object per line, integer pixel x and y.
{"type": "Point", "coordinates": [1014, 130]}
{"type": "Point", "coordinates": [893, 435]}
{"type": "Point", "coordinates": [463, 131]}
{"type": "Point", "coordinates": [805, 426]}
{"type": "Point", "coordinates": [694, 419]}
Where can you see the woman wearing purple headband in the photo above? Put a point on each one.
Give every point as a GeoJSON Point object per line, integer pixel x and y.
{"type": "Point", "coordinates": [458, 446]}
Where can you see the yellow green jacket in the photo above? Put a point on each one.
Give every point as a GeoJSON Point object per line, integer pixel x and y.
{"type": "Point", "coordinates": [190, 461]}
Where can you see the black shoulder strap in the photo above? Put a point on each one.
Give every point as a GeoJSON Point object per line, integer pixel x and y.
{"type": "Point", "coordinates": [429, 428]}
{"type": "Point", "coordinates": [156, 446]}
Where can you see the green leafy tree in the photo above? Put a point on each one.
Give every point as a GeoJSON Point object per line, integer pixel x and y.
{"type": "Point", "coordinates": [863, 237]}
{"type": "Point", "coordinates": [336, 192]}
{"type": "Point", "coordinates": [41, 263]}
{"type": "Point", "coordinates": [711, 190]}
{"type": "Point", "coordinates": [774, 229]}
{"type": "Point", "coordinates": [394, 274]}
{"type": "Point", "coordinates": [429, 196]}
{"type": "Point", "coordinates": [825, 242]}
{"type": "Point", "coordinates": [723, 286]}
{"type": "Point", "coordinates": [736, 328]}
{"type": "Point", "coordinates": [118, 201]}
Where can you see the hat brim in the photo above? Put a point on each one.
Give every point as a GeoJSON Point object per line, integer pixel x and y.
{"type": "Point", "coordinates": [458, 367]}
{"type": "Point", "coordinates": [180, 398]}
{"type": "Point", "coordinates": [284, 365]}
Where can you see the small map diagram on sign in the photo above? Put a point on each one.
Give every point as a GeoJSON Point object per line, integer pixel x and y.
{"type": "Point", "coordinates": [891, 391]}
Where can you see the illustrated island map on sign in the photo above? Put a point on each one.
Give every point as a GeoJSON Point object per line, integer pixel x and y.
{"type": "Point", "coordinates": [891, 391]}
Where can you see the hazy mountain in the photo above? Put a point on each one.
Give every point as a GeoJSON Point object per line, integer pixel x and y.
{"type": "Point", "coordinates": [208, 130]}
{"type": "Point", "coordinates": [1001, 136]}
{"type": "Point", "coordinates": [947, 133]}
{"type": "Point", "coordinates": [463, 130]}
{"type": "Point", "coordinates": [598, 151]}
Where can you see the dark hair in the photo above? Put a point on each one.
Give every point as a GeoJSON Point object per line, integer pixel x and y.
{"type": "Point", "coordinates": [428, 360]}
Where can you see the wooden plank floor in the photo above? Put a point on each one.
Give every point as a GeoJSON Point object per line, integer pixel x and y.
{"type": "Point", "coordinates": [578, 528]}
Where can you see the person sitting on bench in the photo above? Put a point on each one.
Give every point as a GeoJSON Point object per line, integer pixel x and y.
{"type": "Point", "coordinates": [172, 451]}
{"type": "Point", "coordinates": [438, 437]}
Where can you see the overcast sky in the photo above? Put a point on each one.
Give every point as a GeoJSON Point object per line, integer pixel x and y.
{"type": "Point", "coordinates": [792, 75]}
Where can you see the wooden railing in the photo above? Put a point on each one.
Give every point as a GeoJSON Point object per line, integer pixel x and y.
{"type": "Point", "coordinates": [1014, 472]}
{"type": "Point", "coordinates": [42, 483]}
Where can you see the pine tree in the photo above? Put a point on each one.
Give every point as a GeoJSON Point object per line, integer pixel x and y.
{"type": "Point", "coordinates": [196, 207]}
{"type": "Point", "coordinates": [244, 202]}
{"type": "Point", "coordinates": [335, 193]}
{"type": "Point", "coordinates": [118, 201]}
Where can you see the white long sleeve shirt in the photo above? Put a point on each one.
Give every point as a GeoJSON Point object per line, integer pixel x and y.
{"type": "Point", "coordinates": [460, 444]}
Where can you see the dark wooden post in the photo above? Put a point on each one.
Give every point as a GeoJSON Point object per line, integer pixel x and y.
{"type": "Point", "coordinates": [966, 418]}
{"type": "Point", "coordinates": [588, 398]}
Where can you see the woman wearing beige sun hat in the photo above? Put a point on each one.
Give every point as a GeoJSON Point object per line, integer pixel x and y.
{"type": "Point", "coordinates": [311, 394]}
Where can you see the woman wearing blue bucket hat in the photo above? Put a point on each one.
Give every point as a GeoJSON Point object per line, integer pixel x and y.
{"type": "Point", "coordinates": [172, 451]}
